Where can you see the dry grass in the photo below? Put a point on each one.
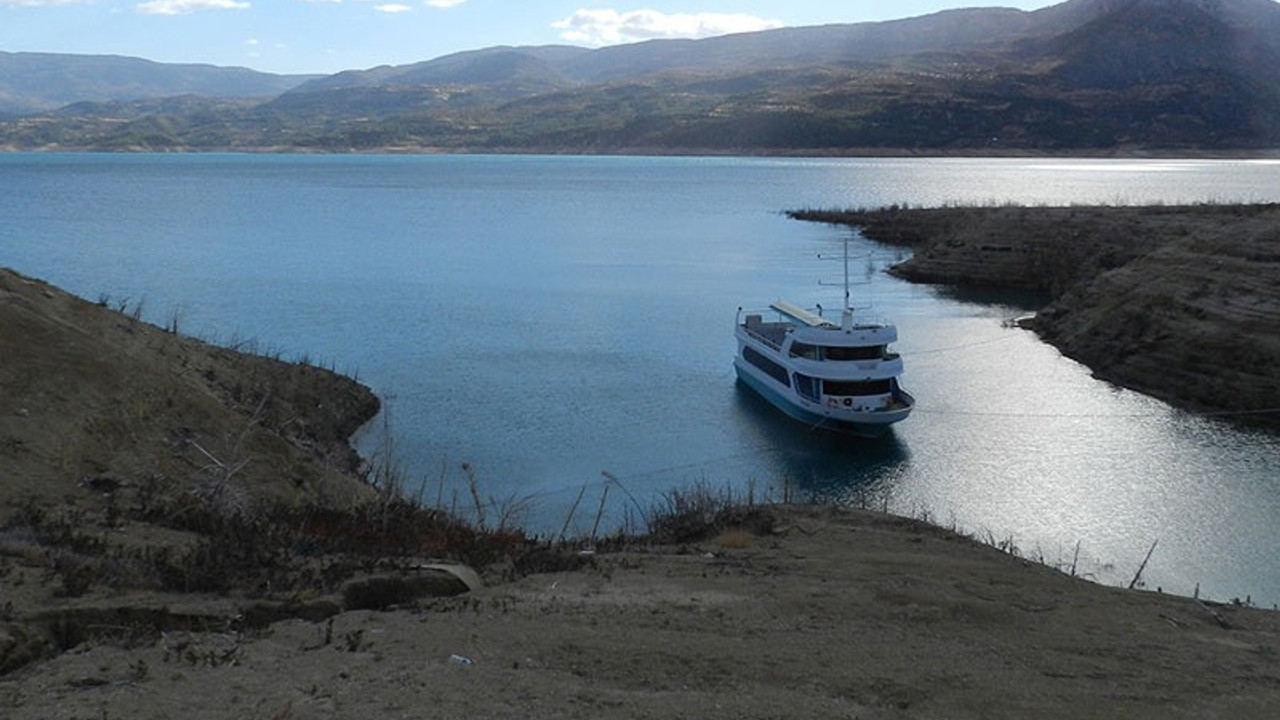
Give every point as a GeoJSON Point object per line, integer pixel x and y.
{"type": "Point", "coordinates": [699, 512]}
{"type": "Point", "coordinates": [735, 540]}
{"type": "Point", "coordinates": [293, 556]}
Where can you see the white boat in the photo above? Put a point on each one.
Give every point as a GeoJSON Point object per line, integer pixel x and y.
{"type": "Point", "coordinates": [840, 377]}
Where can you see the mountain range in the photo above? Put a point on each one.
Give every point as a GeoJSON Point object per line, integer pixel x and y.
{"type": "Point", "coordinates": [1084, 75]}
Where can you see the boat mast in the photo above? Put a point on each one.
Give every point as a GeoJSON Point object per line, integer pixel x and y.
{"type": "Point", "coordinates": [846, 313]}
{"type": "Point", "coordinates": [846, 316]}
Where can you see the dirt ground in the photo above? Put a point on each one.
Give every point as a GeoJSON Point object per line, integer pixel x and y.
{"type": "Point", "coordinates": [833, 614]}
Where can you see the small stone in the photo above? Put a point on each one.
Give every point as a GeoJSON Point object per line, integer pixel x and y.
{"type": "Point", "coordinates": [105, 483]}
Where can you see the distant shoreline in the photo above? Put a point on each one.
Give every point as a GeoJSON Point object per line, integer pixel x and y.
{"type": "Point", "coordinates": [822, 153]}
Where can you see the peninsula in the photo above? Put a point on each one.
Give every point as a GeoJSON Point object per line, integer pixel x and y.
{"type": "Point", "coordinates": [1179, 302]}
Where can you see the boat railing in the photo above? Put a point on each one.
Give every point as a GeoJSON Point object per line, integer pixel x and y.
{"type": "Point", "coordinates": [763, 337]}
{"type": "Point", "coordinates": [769, 333]}
{"type": "Point", "coordinates": [818, 315]}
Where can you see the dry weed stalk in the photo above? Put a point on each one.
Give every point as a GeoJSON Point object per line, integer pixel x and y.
{"type": "Point", "coordinates": [218, 475]}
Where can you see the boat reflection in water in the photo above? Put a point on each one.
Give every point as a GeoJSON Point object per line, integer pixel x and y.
{"type": "Point", "coordinates": [822, 467]}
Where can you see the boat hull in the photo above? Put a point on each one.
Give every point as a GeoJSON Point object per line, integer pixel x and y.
{"type": "Point", "coordinates": [867, 424]}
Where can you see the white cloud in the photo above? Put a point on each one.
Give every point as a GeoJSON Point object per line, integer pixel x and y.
{"type": "Point", "coordinates": [186, 7]}
{"type": "Point", "coordinates": [610, 27]}
{"type": "Point", "coordinates": [393, 7]}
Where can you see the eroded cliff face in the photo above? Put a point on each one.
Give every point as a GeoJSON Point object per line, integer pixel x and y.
{"type": "Point", "coordinates": [91, 397]}
{"type": "Point", "coordinates": [1195, 322]}
{"type": "Point", "coordinates": [1180, 302]}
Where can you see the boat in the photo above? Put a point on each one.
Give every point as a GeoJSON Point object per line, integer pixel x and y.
{"type": "Point", "coordinates": [841, 376]}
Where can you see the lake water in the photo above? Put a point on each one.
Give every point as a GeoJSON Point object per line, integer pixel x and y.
{"type": "Point", "coordinates": [551, 319]}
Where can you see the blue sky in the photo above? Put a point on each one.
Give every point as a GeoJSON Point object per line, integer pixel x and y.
{"type": "Point", "coordinates": [325, 36]}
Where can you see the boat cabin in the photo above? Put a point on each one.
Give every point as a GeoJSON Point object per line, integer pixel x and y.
{"type": "Point", "coordinates": [847, 365]}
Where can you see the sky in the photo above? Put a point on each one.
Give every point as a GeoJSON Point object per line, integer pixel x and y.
{"type": "Point", "coordinates": [327, 36]}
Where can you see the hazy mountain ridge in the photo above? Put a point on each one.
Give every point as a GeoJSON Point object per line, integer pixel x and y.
{"type": "Point", "coordinates": [1085, 74]}
{"type": "Point", "coordinates": [34, 82]}
{"type": "Point", "coordinates": [744, 52]}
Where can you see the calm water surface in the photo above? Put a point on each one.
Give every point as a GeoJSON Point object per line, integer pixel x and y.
{"type": "Point", "coordinates": [550, 319]}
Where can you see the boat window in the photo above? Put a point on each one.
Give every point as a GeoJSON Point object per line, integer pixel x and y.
{"type": "Point", "coordinates": [869, 352]}
{"type": "Point", "coordinates": [775, 371]}
{"type": "Point", "coordinates": [804, 350]}
{"type": "Point", "coordinates": [807, 386]}
{"type": "Point", "coordinates": [856, 388]}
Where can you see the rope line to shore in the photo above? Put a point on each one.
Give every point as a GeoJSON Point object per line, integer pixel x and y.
{"type": "Point", "coordinates": [622, 480]}
{"type": "Point", "coordinates": [1096, 416]}
{"type": "Point", "coordinates": [760, 451]}
{"type": "Point", "coordinates": [607, 479]}
{"type": "Point", "coordinates": [657, 472]}
{"type": "Point", "coordinates": [966, 346]}
{"type": "Point", "coordinates": [701, 463]}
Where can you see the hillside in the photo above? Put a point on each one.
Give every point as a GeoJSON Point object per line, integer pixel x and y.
{"type": "Point", "coordinates": [1100, 76]}
{"type": "Point", "coordinates": [92, 398]}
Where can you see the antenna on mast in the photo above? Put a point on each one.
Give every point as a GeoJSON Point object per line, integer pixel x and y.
{"type": "Point", "coordinates": [846, 313]}
{"type": "Point", "coordinates": [847, 306]}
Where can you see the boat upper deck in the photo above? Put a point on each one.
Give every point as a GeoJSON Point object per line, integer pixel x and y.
{"type": "Point", "coordinates": [801, 315]}
{"type": "Point", "coordinates": [770, 333]}
{"type": "Point", "coordinates": [813, 328]}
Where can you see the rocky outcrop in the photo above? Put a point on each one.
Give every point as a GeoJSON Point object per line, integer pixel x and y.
{"type": "Point", "coordinates": [1194, 322]}
{"type": "Point", "coordinates": [1180, 302]}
